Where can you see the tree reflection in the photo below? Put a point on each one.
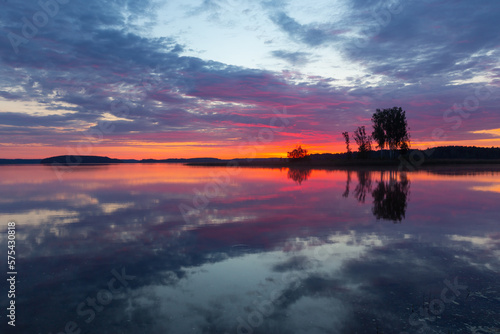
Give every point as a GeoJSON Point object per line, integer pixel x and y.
{"type": "Point", "coordinates": [364, 185]}
{"type": "Point", "coordinates": [390, 198]}
{"type": "Point", "coordinates": [348, 183]}
{"type": "Point", "coordinates": [299, 175]}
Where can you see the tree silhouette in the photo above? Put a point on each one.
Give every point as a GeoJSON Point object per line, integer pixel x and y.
{"type": "Point", "coordinates": [390, 129]}
{"type": "Point", "coordinates": [390, 199]}
{"type": "Point", "coordinates": [378, 133]}
{"type": "Point", "coordinates": [297, 153]}
{"type": "Point", "coordinates": [363, 140]}
{"type": "Point", "coordinates": [347, 141]}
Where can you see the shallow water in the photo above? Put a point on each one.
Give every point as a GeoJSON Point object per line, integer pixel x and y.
{"type": "Point", "coordinates": [166, 248]}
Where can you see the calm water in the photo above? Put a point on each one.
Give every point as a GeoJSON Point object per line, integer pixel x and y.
{"type": "Point", "coordinates": [174, 249]}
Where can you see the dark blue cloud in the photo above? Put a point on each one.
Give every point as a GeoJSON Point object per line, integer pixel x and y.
{"type": "Point", "coordinates": [294, 58]}
{"type": "Point", "coordinates": [306, 34]}
{"type": "Point", "coordinates": [426, 39]}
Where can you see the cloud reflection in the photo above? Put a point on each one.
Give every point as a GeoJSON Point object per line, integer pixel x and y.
{"type": "Point", "coordinates": [315, 254]}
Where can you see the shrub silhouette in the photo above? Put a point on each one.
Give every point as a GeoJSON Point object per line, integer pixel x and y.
{"type": "Point", "coordinates": [297, 153]}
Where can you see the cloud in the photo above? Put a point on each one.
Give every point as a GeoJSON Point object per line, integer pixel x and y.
{"type": "Point", "coordinates": [99, 64]}
{"type": "Point", "coordinates": [306, 34]}
{"type": "Point", "coordinates": [492, 132]}
{"type": "Point", "coordinates": [425, 39]}
{"type": "Point", "coordinates": [294, 58]}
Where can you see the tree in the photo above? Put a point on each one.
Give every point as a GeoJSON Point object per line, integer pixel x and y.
{"type": "Point", "coordinates": [297, 153]}
{"type": "Point", "coordinates": [364, 141]}
{"type": "Point", "coordinates": [390, 129]}
{"type": "Point", "coordinates": [378, 134]}
{"type": "Point", "coordinates": [347, 141]}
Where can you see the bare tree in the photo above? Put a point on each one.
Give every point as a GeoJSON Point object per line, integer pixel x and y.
{"type": "Point", "coordinates": [347, 142]}
{"type": "Point", "coordinates": [363, 140]}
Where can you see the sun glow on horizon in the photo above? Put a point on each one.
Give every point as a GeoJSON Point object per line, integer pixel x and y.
{"type": "Point", "coordinates": [140, 151]}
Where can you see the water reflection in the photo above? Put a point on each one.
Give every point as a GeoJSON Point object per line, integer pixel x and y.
{"type": "Point", "coordinates": [364, 185]}
{"type": "Point", "coordinates": [390, 198]}
{"type": "Point", "coordinates": [347, 185]}
{"type": "Point", "coordinates": [260, 255]}
{"type": "Point", "coordinates": [390, 195]}
{"type": "Point", "coordinates": [299, 175]}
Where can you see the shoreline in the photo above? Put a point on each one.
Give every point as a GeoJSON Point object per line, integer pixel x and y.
{"type": "Point", "coordinates": [319, 164]}
{"type": "Point", "coordinates": [348, 164]}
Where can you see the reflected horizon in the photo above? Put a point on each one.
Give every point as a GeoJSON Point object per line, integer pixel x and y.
{"type": "Point", "coordinates": [311, 245]}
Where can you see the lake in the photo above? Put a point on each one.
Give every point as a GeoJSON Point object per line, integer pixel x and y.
{"type": "Point", "coordinates": [167, 248]}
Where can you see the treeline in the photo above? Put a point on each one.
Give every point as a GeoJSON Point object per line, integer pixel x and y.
{"type": "Point", "coordinates": [436, 153]}
{"type": "Point", "coordinates": [462, 152]}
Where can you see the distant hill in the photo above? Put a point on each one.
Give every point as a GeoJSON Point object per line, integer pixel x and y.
{"type": "Point", "coordinates": [87, 159]}
{"type": "Point", "coordinates": [79, 159]}
{"type": "Point", "coordinates": [201, 160]}
{"type": "Point", "coordinates": [19, 161]}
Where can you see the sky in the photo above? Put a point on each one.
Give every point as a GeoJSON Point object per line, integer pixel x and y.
{"type": "Point", "coordinates": [233, 79]}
